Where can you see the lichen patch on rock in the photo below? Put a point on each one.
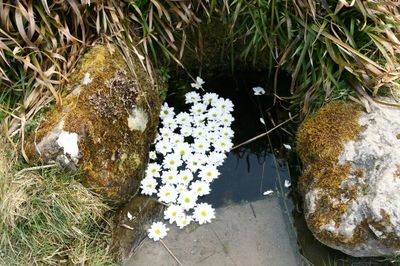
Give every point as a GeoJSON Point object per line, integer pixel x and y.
{"type": "Point", "coordinates": [350, 182]}
{"type": "Point", "coordinates": [137, 119]}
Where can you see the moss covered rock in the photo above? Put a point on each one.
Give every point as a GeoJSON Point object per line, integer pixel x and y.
{"type": "Point", "coordinates": [105, 124]}
{"type": "Point", "coordinates": [351, 178]}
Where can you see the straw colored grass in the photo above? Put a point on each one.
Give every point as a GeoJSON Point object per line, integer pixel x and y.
{"type": "Point", "coordinates": [49, 218]}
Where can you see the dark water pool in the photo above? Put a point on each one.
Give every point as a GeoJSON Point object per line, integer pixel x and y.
{"type": "Point", "coordinates": [265, 164]}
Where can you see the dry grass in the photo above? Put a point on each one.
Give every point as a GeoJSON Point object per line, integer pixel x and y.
{"type": "Point", "coordinates": [48, 217]}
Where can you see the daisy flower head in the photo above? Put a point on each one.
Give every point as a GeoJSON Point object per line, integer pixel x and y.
{"type": "Point", "coordinates": [184, 177]}
{"type": "Point", "coordinates": [198, 120]}
{"type": "Point", "coordinates": [212, 125]}
{"type": "Point", "coordinates": [164, 147]}
{"type": "Point", "coordinates": [227, 119]}
{"type": "Point", "coordinates": [214, 114]}
{"type": "Point", "coordinates": [198, 83]}
{"type": "Point", "coordinates": [223, 145]}
{"type": "Point", "coordinates": [199, 132]}
{"type": "Point", "coordinates": [208, 173]}
{"type": "Point", "coordinates": [153, 170]}
{"type": "Point", "coordinates": [169, 123]}
{"type": "Point", "coordinates": [167, 194]}
{"type": "Point", "coordinates": [157, 231]}
{"type": "Point", "coordinates": [187, 199]}
{"type": "Point", "coordinates": [216, 158]}
{"type": "Point", "coordinates": [203, 213]}
{"type": "Point", "coordinates": [183, 149]}
{"type": "Point", "coordinates": [183, 221]}
{"type": "Point", "coordinates": [210, 98]}
{"type": "Point", "coordinates": [186, 131]}
{"type": "Point", "coordinates": [169, 177]}
{"type": "Point", "coordinates": [226, 132]}
{"type": "Point", "coordinates": [192, 164]}
{"type": "Point", "coordinates": [181, 188]}
{"type": "Point", "coordinates": [166, 133]}
{"type": "Point", "coordinates": [175, 139]}
{"type": "Point", "coordinates": [173, 212]}
{"type": "Point", "coordinates": [148, 186]}
{"type": "Point", "coordinates": [201, 188]}
{"type": "Point", "coordinates": [172, 161]}
{"type": "Point", "coordinates": [224, 105]}
{"type": "Point", "coordinates": [166, 111]}
{"type": "Point", "coordinates": [198, 109]}
{"type": "Point", "coordinates": [152, 155]}
{"type": "Point", "coordinates": [184, 119]}
{"type": "Point", "coordinates": [201, 145]}
{"type": "Point", "coordinates": [192, 97]}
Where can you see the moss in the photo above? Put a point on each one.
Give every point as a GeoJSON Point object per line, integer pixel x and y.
{"type": "Point", "coordinates": [320, 141]}
{"type": "Point", "coordinates": [113, 156]}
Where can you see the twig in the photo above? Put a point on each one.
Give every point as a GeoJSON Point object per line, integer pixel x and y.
{"type": "Point", "coordinates": [264, 134]}
{"type": "Point", "coordinates": [36, 168]}
{"type": "Point", "coordinates": [128, 227]}
{"type": "Point", "coordinates": [170, 252]}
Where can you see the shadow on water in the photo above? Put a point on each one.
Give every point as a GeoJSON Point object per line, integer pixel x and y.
{"type": "Point", "coordinates": [264, 164]}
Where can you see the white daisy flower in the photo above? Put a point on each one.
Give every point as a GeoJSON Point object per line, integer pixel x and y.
{"type": "Point", "coordinates": [183, 221]}
{"type": "Point", "coordinates": [169, 177]}
{"type": "Point", "coordinates": [198, 83]}
{"type": "Point", "coordinates": [184, 177]}
{"type": "Point", "coordinates": [226, 132]}
{"type": "Point", "coordinates": [184, 119]}
{"type": "Point", "coordinates": [214, 114]}
{"type": "Point", "coordinates": [212, 125]}
{"type": "Point", "coordinates": [186, 131]}
{"type": "Point", "coordinates": [223, 145]}
{"type": "Point", "coordinates": [148, 186]}
{"type": "Point", "coordinates": [176, 139]}
{"type": "Point", "coordinates": [153, 170]}
{"type": "Point", "coordinates": [163, 147]}
{"type": "Point", "coordinates": [192, 164]}
{"type": "Point", "coordinates": [216, 158]}
{"type": "Point", "coordinates": [201, 188]}
{"type": "Point", "coordinates": [167, 194]}
{"type": "Point", "coordinates": [172, 161]}
{"type": "Point", "coordinates": [198, 120]}
{"type": "Point", "coordinates": [210, 98]}
{"type": "Point", "coordinates": [199, 132]}
{"type": "Point", "coordinates": [203, 213]}
{"type": "Point", "coordinates": [192, 97]}
{"type": "Point", "coordinates": [227, 119]}
{"type": "Point", "coordinates": [166, 111]}
{"type": "Point", "coordinates": [184, 150]}
{"type": "Point", "coordinates": [201, 145]}
{"type": "Point", "coordinates": [208, 173]}
{"type": "Point", "coordinates": [157, 231]}
{"type": "Point", "coordinates": [152, 155]}
{"type": "Point", "coordinates": [173, 212]}
{"type": "Point", "coordinates": [169, 123]}
{"type": "Point", "coordinates": [181, 188]}
{"type": "Point", "coordinates": [187, 199]}
{"type": "Point", "coordinates": [198, 109]}
{"type": "Point", "coordinates": [166, 133]}
{"type": "Point", "coordinates": [224, 105]}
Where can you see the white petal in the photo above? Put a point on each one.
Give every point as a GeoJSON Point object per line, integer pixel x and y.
{"type": "Point", "coordinates": [262, 121]}
{"type": "Point", "coordinates": [287, 146]}
{"type": "Point", "coordinates": [287, 183]}
{"type": "Point", "coordinates": [268, 192]}
{"type": "Point", "coordinates": [130, 217]}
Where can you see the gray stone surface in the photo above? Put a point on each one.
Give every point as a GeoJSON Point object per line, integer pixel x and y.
{"type": "Point", "coordinates": [251, 234]}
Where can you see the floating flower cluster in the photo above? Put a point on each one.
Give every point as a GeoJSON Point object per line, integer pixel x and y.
{"type": "Point", "coordinates": [188, 150]}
